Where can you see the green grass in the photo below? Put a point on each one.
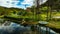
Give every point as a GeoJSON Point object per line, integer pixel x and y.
{"type": "Point", "coordinates": [43, 16]}
{"type": "Point", "coordinates": [53, 24]}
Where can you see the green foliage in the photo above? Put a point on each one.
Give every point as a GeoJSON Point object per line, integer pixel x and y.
{"type": "Point", "coordinates": [20, 13]}
{"type": "Point", "coordinates": [44, 8]}
{"type": "Point", "coordinates": [14, 12]}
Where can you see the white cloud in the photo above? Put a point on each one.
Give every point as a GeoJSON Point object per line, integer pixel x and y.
{"type": "Point", "coordinates": [8, 3]}
{"type": "Point", "coordinates": [40, 2]}
{"type": "Point", "coordinates": [28, 2]}
{"type": "Point", "coordinates": [13, 3]}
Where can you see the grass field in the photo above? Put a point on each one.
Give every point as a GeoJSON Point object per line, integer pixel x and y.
{"type": "Point", "coordinates": [52, 24]}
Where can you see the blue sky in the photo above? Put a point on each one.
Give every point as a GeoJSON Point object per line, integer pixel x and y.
{"type": "Point", "coordinates": [17, 3]}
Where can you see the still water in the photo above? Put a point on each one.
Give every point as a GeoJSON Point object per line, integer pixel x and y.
{"type": "Point", "coordinates": [14, 28]}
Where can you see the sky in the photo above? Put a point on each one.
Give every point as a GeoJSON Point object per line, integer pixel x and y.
{"type": "Point", "coordinates": [18, 3]}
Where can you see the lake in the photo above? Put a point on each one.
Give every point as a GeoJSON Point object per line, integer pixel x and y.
{"type": "Point", "coordinates": [14, 28]}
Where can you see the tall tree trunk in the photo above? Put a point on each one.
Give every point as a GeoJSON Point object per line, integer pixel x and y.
{"type": "Point", "coordinates": [37, 7]}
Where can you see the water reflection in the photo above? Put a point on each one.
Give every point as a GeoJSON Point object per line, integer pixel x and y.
{"type": "Point", "coordinates": [14, 28]}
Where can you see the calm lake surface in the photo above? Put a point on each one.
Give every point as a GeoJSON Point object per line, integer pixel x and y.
{"type": "Point", "coordinates": [14, 28]}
